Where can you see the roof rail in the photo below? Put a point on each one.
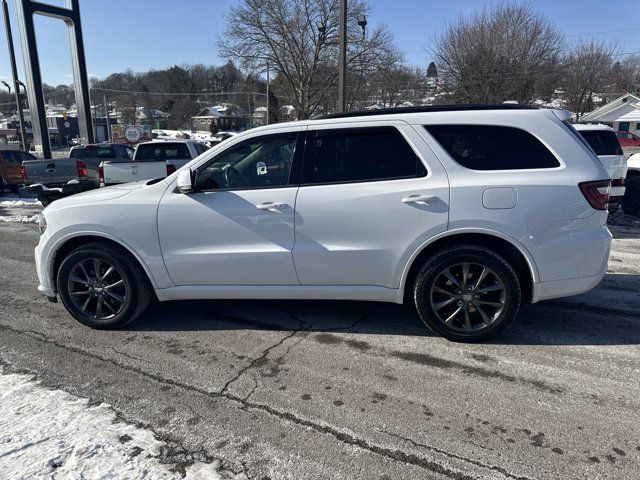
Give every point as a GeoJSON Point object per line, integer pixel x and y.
{"type": "Point", "coordinates": [427, 109]}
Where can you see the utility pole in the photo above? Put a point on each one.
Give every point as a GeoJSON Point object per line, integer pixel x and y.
{"type": "Point", "coordinates": [342, 62]}
{"type": "Point", "coordinates": [14, 73]}
{"type": "Point", "coordinates": [106, 116]}
{"type": "Point", "coordinates": [268, 98]}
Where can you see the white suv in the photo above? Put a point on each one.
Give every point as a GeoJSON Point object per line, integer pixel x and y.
{"type": "Point", "coordinates": [467, 211]}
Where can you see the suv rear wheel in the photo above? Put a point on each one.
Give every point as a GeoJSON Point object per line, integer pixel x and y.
{"type": "Point", "coordinates": [102, 286]}
{"type": "Point", "coordinates": [467, 293]}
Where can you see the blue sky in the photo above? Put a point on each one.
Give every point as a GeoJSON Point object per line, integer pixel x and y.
{"type": "Point", "coordinates": [144, 34]}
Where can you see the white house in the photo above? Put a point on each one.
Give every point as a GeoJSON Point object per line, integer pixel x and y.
{"type": "Point", "coordinates": [621, 114]}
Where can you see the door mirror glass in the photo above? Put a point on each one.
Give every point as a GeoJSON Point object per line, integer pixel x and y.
{"type": "Point", "coordinates": [185, 184]}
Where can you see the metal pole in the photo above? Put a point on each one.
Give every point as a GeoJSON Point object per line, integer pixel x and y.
{"type": "Point", "coordinates": [14, 73]}
{"type": "Point", "coordinates": [106, 116]}
{"type": "Point", "coordinates": [342, 62]}
{"type": "Point", "coordinates": [268, 98]}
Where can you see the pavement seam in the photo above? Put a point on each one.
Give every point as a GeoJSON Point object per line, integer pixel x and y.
{"type": "Point", "coordinates": [453, 455]}
{"type": "Point", "coordinates": [344, 437]}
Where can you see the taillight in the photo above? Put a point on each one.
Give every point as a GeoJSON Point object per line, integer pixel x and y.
{"type": "Point", "coordinates": [596, 193]}
{"type": "Point", "coordinates": [170, 169]}
{"type": "Point", "coordinates": [23, 172]}
{"type": "Point", "coordinates": [82, 169]}
{"type": "Point", "coordinates": [101, 173]}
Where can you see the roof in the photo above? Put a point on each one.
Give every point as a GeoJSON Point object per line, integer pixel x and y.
{"type": "Point", "coordinates": [625, 108]}
{"type": "Point", "coordinates": [428, 109]}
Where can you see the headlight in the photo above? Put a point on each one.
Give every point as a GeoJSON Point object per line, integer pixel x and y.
{"type": "Point", "coordinates": [42, 224]}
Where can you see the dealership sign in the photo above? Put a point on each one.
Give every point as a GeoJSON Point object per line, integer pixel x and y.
{"type": "Point", "coordinates": [130, 134]}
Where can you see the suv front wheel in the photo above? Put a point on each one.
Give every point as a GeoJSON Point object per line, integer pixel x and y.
{"type": "Point", "coordinates": [102, 286]}
{"type": "Point", "coordinates": [467, 293]}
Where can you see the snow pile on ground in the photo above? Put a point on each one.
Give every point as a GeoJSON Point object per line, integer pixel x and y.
{"type": "Point", "coordinates": [48, 433]}
{"type": "Point", "coordinates": [19, 218]}
{"type": "Point", "coordinates": [19, 202]}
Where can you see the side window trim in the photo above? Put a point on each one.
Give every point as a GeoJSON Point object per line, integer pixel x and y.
{"type": "Point", "coordinates": [294, 174]}
{"type": "Point", "coordinates": [309, 160]}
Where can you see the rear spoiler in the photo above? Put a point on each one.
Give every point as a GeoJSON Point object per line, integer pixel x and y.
{"type": "Point", "coordinates": [563, 115]}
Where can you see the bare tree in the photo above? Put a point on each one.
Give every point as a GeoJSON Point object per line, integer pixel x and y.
{"type": "Point", "coordinates": [625, 75]}
{"type": "Point", "coordinates": [586, 67]}
{"type": "Point", "coordinates": [498, 54]}
{"type": "Point", "coordinates": [286, 33]}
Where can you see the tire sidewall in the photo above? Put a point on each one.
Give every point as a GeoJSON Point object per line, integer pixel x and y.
{"type": "Point", "coordinates": [432, 270]}
{"type": "Point", "coordinates": [127, 275]}
{"type": "Point", "coordinates": [631, 201]}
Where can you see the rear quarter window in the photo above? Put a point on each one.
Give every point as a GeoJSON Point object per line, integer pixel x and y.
{"type": "Point", "coordinates": [493, 147]}
{"type": "Point", "coordinates": [603, 142]}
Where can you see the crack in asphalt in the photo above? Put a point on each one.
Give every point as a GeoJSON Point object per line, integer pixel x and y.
{"type": "Point", "coordinates": [453, 455]}
{"type": "Point", "coordinates": [344, 437]}
{"type": "Point", "coordinates": [252, 364]}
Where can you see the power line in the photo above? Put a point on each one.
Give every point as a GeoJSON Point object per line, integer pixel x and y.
{"type": "Point", "coordinates": [602, 31]}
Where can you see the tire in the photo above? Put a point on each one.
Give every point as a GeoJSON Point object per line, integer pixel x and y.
{"type": "Point", "coordinates": [631, 201]}
{"type": "Point", "coordinates": [123, 293]}
{"type": "Point", "coordinates": [447, 306]}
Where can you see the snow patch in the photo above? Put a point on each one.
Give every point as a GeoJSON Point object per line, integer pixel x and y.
{"type": "Point", "coordinates": [23, 202]}
{"type": "Point", "coordinates": [19, 218]}
{"type": "Point", "coordinates": [47, 433]}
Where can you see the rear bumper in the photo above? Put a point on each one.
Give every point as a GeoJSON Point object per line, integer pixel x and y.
{"type": "Point", "coordinates": [565, 288]}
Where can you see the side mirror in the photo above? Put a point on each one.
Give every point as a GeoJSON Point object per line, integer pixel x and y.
{"type": "Point", "coordinates": [185, 183]}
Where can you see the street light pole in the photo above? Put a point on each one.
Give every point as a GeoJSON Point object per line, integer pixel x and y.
{"type": "Point", "coordinates": [342, 61]}
{"type": "Point", "coordinates": [14, 73]}
{"type": "Point", "coordinates": [268, 98]}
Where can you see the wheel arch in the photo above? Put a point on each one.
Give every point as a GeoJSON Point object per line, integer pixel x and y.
{"type": "Point", "coordinates": [70, 243]}
{"type": "Point", "coordinates": [516, 254]}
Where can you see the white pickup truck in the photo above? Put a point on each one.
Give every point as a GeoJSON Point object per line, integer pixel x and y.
{"type": "Point", "coordinates": [151, 160]}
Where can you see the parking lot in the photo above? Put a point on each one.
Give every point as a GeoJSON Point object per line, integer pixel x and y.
{"type": "Point", "coordinates": [351, 390]}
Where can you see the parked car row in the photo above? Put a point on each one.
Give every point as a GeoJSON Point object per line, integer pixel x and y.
{"type": "Point", "coordinates": [93, 166]}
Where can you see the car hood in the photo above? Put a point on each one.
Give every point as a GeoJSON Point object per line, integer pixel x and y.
{"type": "Point", "coordinates": [95, 196]}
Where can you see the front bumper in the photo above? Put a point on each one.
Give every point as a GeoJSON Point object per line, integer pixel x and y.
{"type": "Point", "coordinates": [46, 284]}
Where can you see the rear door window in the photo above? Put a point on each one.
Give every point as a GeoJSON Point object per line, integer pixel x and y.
{"type": "Point", "coordinates": [360, 155]}
{"type": "Point", "coordinates": [493, 147]}
{"type": "Point", "coordinates": [603, 142]}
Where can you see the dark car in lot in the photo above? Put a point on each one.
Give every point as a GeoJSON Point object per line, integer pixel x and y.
{"type": "Point", "coordinates": [10, 168]}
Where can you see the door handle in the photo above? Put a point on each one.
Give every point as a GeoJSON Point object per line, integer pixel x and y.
{"type": "Point", "coordinates": [271, 206]}
{"type": "Point", "coordinates": [420, 199]}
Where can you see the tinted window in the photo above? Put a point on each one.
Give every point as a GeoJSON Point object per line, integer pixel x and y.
{"type": "Point", "coordinates": [92, 152]}
{"type": "Point", "coordinates": [157, 152]}
{"type": "Point", "coordinates": [260, 162]}
{"type": "Point", "coordinates": [602, 142]}
{"type": "Point", "coordinates": [360, 155]}
{"type": "Point", "coordinates": [488, 147]}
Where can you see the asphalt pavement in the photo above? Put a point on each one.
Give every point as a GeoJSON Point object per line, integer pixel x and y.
{"type": "Point", "coordinates": [352, 390]}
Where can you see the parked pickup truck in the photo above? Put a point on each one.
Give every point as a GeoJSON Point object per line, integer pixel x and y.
{"type": "Point", "coordinates": [10, 168]}
{"type": "Point", "coordinates": [51, 179]}
{"type": "Point", "coordinates": [151, 160]}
